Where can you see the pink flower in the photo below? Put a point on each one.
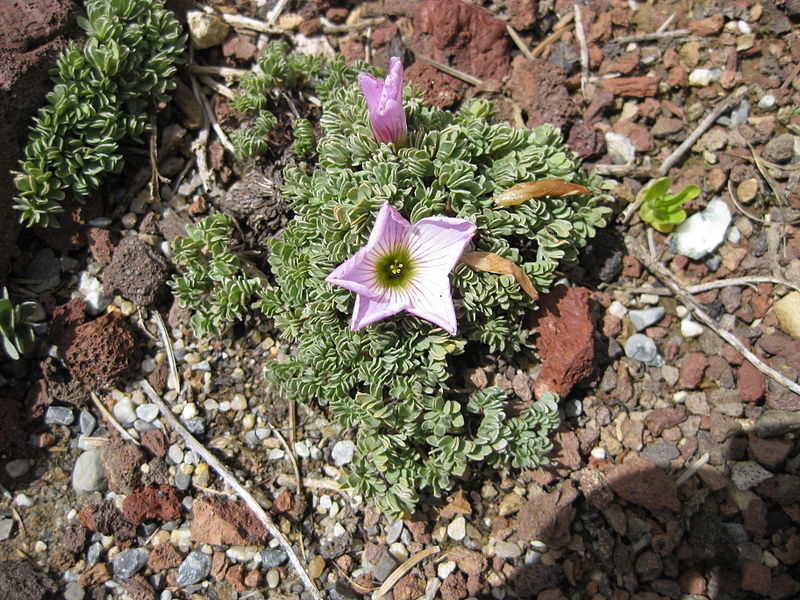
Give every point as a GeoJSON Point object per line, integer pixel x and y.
{"type": "Point", "coordinates": [385, 103]}
{"type": "Point", "coordinates": [405, 267]}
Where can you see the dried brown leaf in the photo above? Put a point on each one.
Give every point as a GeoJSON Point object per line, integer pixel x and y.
{"type": "Point", "coordinates": [526, 190]}
{"type": "Point", "coordinates": [492, 263]}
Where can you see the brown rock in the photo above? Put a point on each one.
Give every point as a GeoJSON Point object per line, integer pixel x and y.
{"type": "Point", "coordinates": [73, 538]}
{"type": "Point", "coordinates": [565, 340]}
{"type": "Point", "coordinates": [633, 87]}
{"type": "Point", "coordinates": [463, 36]}
{"type": "Point", "coordinates": [692, 369]}
{"type": "Point", "coordinates": [751, 383]}
{"type": "Point", "coordinates": [548, 517]}
{"type": "Point", "coordinates": [769, 453]}
{"type": "Point", "coordinates": [755, 517]}
{"type": "Point", "coordinates": [783, 489]}
{"type": "Point", "coordinates": [63, 322]}
{"type": "Point", "coordinates": [101, 244]}
{"type": "Point", "coordinates": [138, 588]}
{"type": "Point", "coordinates": [756, 578]}
{"type": "Point", "coordinates": [712, 478]}
{"type": "Point", "coordinates": [664, 418]}
{"type": "Point", "coordinates": [409, 587]}
{"type": "Point", "coordinates": [723, 426]}
{"type": "Point", "coordinates": [437, 88]}
{"type": "Point", "coordinates": [692, 582]}
{"type": "Point", "coordinates": [784, 586]}
{"type": "Point", "coordinates": [594, 487]}
{"type": "Point", "coordinates": [106, 518]}
{"type": "Point", "coordinates": [585, 140]}
{"type": "Point", "coordinates": [164, 556]}
{"type": "Point", "coordinates": [454, 587]}
{"type": "Point", "coordinates": [103, 352]}
{"type": "Point", "coordinates": [161, 503]}
{"type": "Point", "coordinates": [137, 271]}
{"type": "Point", "coordinates": [638, 135]}
{"type": "Point", "coordinates": [217, 521]}
{"type": "Point", "coordinates": [235, 578]}
{"type": "Point", "coordinates": [470, 562]}
{"type": "Point", "coordinates": [156, 442]}
{"type": "Point", "coordinates": [710, 26]}
{"type": "Point", "coordinates": [640, 481]}
{"type": "Point", "coordinates": [632, 432]}
{"type": "Point", "coordinates": [123, 461]}
{"type": "Point", "coordinates": [95, 576]}
{"type": "Point", "coordinates": [539, 88]}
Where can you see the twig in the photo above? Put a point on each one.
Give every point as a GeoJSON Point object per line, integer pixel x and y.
{"type": "Point", "coordinates": [788, 81]}
{"type": "Point", "coordinates": [713, 285]}
{"type": "Point", "coordinates": [111, 419]}
{"type": "Point", "coordinates": [200, 145]}
{"type": "Point", "coordinates": [404, 568]}
{"type": "Point", "coordinates": [700, 129]}
{"type": "Point", "coordinates": [680, 292]}
{"type": "Point", "coordinates": [465, 77]}
{"type": "Point", "coordinates": [581, 35]}
{"type": "Point", "coordinates": [276, 11]}
{"type": "Point", "coordinates": [663, 27]}
{"type": "Point", "coordinates": [214, 124]}
{"type": "Point", "coordinates": [311, 483]}
{"type": "Point", "coordinates": [217, 87]}
{"type": "Point", "coordinates": [328, 27]}
{"type": "Point", "coordinates": [626, 170]}
{"type": "Point", "coordinates": [564, 25]}
{"type": "Point", "coordinates": [226, 475]}
{"type": "Point", "coordinates": [692, 469]}
{"type": "Point", "coordinates": [656, 35]}
{"type": "Point", "coordinates": [226, 72]}
{"type": "Point", "coordinates": [156, 178]}
{"type": "Point", "coordinates": [520, 43]}
{"type": "Point", "coordinates": [241, 22]}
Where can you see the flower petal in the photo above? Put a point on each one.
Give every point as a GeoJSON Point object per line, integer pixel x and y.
{"type": "Point", "coordinates": [389, 123]}
{"type": "Point", "coordinates": [436, 243]}
{"type": "Point", "coordinates": [389, 230]}
{"type": "Point", "coordinates": [393, 85]}
{"type": "Point", "coordinates": [356, 274]}
{"type": "Point", "coordinates": [372, 87]}
{"type": "Point", "coordinates": [368, 309]}
{"type": "Point", "coordinates": [432, 300]}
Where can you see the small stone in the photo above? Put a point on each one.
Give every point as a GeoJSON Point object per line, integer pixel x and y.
{"type": "Point", "coordinates": [747, 190]}
{"type": "Point", "coordinates": [124, 411]}
{"type": "Point", "coordinates": [18, 467]}
{"type": "Point", "coordinates": [508, 550]}
{"type": "Point", "coordinates": [74, 591]}
{"type": "Point", "coordinates": [129, 562]}
{"type": "Point", "coordinates": [87, 422]}
{"type": "Point", "coordinates": [206, 30]}
{"type": "Point", "coordinates": [457, 529]}
{"type": "Point", "coordinates": [59, 415]}
{"type": "Point", "coordinates": [273, 557]}
{"type": "Point", "coordinates": [701, 233]}
{"type": "Point", "coordinates": [342, 452]}
{"type": "Point", "coordinates": [147, 412]}
{"type": "Point", "coordinates": [756, 578]}
{"type": "Point", "coordinates": [573, 408]}
{"type": "Point", "coordinates": [194, 568]}
{"type": "Point", "coordinates": [690, 328]}
{"type": "Point", "coordinates": [787, 309]}
{"type": "Point", "coordinates": [661, 452]}
{"type": "Point", "coordinates": [445, 569]}
{"type": "Point", "coordinates": [642, 348]}
{"type": "Point", "coordinates": [704, 77]}
{"type": "Point", "coordinates": [747, 474]}
{"type": "Point", "coordinates": [88, 474]}
{"type": "Point", "coordinates": [510, 504]}
{"type": "Point", "coordinates": [779, 149]}
{"type": "Point", "coordinates": [6, 527]}
{"type": "Point", "coordinates": [766, 102]}
{"type": "Point", "coordinates": [273, 578]}
{"type": "Point", "coordinates": [645, 317]}
{"type": "Point", "coordinates": [619, 148]}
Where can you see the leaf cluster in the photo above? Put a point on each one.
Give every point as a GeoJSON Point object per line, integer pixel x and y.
{"type": "Point", "coordinates": [100, 96]}
{"type": "Point", "coordinates": [395, 382]}
{"type": "Point", "coordinates": [213, 284]}
{"type": "Point", "coordinates": [662, 209]}
{"type": "Point", "coordinates": [17, 324]}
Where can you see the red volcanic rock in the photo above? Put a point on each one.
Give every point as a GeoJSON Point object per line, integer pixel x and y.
{"type": "Point", "coordinates": [161, 503]}
{"type": "Point", "coordinates": [640, 481]}
{"type": "Point", "coordinates": [539, 87]}
{"type": "Point", "coordinates": [217, 521]}
{"type": "Point", "coordinates": [565, 340]}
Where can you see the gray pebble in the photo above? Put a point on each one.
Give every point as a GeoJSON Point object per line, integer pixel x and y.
{"type": "Point", "coordinates": [342, 452]}
{"type": "Point", "coordinates": [87, 422]}
{"type": "Point", "coordinates": [573, 408]}
{"type": "Point", "coordinates": [508, 550]}
{"type": "Point", "coordinates": [74, 591]}
{"type": "Point", "coordinates": [273, 557]}
{"type": "Point", "coordinates": [193, 569]}
{"type": "Point", "coordinates": [182, 481]}
{"type": "Point", "coordinates": [94, 553]}
{"type": "Point", "coordinates": [59, 415]}
{"type": "Point", "coordinates": [747, 474]}
{"type": "Point", "coordinates": [147, 412]}
{"type": "Point", "coordinates": [642, 348]}
{"type": "Point", "coordinates": [46, 269]}
{"type": "Point", "coordinates": [737, 532]}
{"type": "Point", "coordinates": [645, 317]}
{"type": "Point", "coordinates": [18, 467]}
{"type": "Point", "coordinates": [6, 527]}
{"type": "Point", "coordinates": [88, 474]}
{"type": "Point", "coordinates": [661, 452]}
{"type": "Point", "coordinates": [195, 425]}
{"type": "Point", "coordinates": [713, 262]}
{"type": "Point", "coordinates": [394, 531]}
{"type": "Point", "coordinates": [129, 562]}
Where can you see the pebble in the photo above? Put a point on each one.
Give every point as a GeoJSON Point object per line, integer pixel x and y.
{"type": "Point", "coordinates": [690, 328]}
{"type": "Point", "coordinates": [273, 557]}
{"type": "Point", "coordinates": [276, 454]}
{"type": "Point", "coordinates": [620, 149]}
{"type": "Point", "coordinates": [701, 233]}
{"type": "Point", "coordinates": [599, 452]}
{"type": "Point", "coordinates": [194, 568]}
{"type": "Point", "coordinates": [510, 504]}
{"type": "Point", "coordinates": [241, 554]}
{"type": "Point", "coordinates": [508, 549]}
{"type": "Point", "coordinates": [393, 534]}
{"type": "Point", "coordinates": [445, 569]}
{"type": "Point", "coordinates": [787, 309]}
{"type": "Point", "coordinates": [129, 562]}
{"type": "Point", "coordinates": [642, 348]}
{"type": "Point", "coordinates": [59, 415]}
{"type": "Point", "coordinates": [747, 473]}
{"type": "Point", "coordinates": [617, 309]}
{"type": "Point", "coordinates": [704, 77]}
{"type": "Point", "coordinates": [342, 452]}
{"type": "Point", "coordinates": [124, 411]}
{"type": "Point", "coordinates": [301, 449]}
{"type": "Point", "coordinates": [23, 500]}
{"type": "Point", "coordinates": [273, 579]}
{"type": "Point", "coordinates": [645, 317]}
{"type": "Point", "coordinates": [46, 269]}
{"type": "Point", "coordinates": [573, 408]}
{"type": "Point", "coordinates": [740, 114]}
{"type": "Point", "coordinates": [87, 422]}
{"type": "Point", "coordinates": [457, 529]}
{"type": "Point", "coordinates": [238, 402]}
{"type": "Point", "coordinates": [766, 102]}
{"type": "Point", "coordinates": [18, 467]}
{"type": "Point", "coordinates": [88, 474]}
{"type": "Point", "coordinates": [175, 454]}
{"type": "Point", "coordinates": [94, 552]}
{"type": "Point", "coordinates": [316, 567]}
{"type": "Point", "coordinates": [74, 591]}
{"type": "Point", "coordinates": [92, 291]}
{"type": "Point", "coordinates": [6, 527]}
{"type": "Point", "coordinates": [399, 552]}
{"type": "Point", "coordinates": [147, 412]}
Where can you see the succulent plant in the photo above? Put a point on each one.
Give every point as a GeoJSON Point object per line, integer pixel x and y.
{"type": "Point", "coordinates": [663, 210]}
{"type": "Point", "coordinates": [18, 324]}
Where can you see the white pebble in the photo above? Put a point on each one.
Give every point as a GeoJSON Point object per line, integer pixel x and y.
{"type": "Point", "coordinates": [617, 309]}
{"type": "Point", "coordinates": [147, 412]}
{"type": "Point", "coordinates": [273, 578]}
{"type": "Point", "coordinates": [445, 569]}
{"type": "Point", "coordinates": [399, 552]}
{"type": "Point", "coordinates": [175, 454]}
{"type": "Point", "coordinates": [275, 454]}
{"type": "Point", "coordinates": [325, 501]}
{"type": "Point", "coordinates": [744, 27]}
{"type": "Point", "coordinates": [239, 402]}
{"type": "Point", "coordinates": [23, 500]}
{"type": "Point", "coordinates": [457, 529]}
{"type": "Point", "coordinates": [301, 449]}
{"type": "Point", "coordinates": [690, 329]}
{"type": "Point", "coordinates": [124, 411]}
{"type": "Point", "coordinates": [129, 220]}
{"type": "Point", "coordinates": [649, 299]}
{"type": "Point", "coordinates": [599, 452]}
{"type": "Point", "coordinates": [734, 235]}
{"type": "Point", "coordinates": [342, 452]}
{"type": "Point", "coordinates": [189, 411]}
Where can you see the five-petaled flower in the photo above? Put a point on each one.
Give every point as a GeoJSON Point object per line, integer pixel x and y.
{"type": "Point", "coordinates": [385, 103]}
{"type": "Point", "coordinates": [405, 267]}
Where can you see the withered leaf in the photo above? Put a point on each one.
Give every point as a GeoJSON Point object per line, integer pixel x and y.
{"type": "Point", "coordinates": [492, 263]}
{"type": "Point", "coordinates": [519, 193]}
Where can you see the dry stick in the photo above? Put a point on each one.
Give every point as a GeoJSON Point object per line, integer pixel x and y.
{"type": "Point", "coordinates": [200, 145]}
{"type": "Point", "coordinates": [680, 292]}
{"type": "Point", "coordinates": [700, 130]}
{"type": "Point", "coordinates": [404, 568]}
{"type": "Point", "coordinates": [465, 77]}
{"type": "Point", "coordinates": [107, 414]}
{"type": "Point", "coordinates": [692, 469]}
{"type": "Point", "coordinates": [328, 27]}
{"type": "Point", "coordinates": [241, 22]}
{"type": "Point", "coordinates": [226, 72]}
{"type": "Point", "coordinates": [788, 81]}
{"type": "Point", "coordinates": [218, 87]}
{"type": "Point", "coordinates": [273, 15]}
{"type": "Point", "coordinates": [656, 35]}
{"type": "Point", "coordinates": [311, 483]}
{"type": "Point", "coordinates": [663, 27]}
{"type": "Point", "coordinates": [714, 285]}
{"type": "Point", "coordinates": [223, 472]}
{"type": "Point", "coordinates": [581, 35]}
{"type": "Point", "coordinates": [214, 124]}
{"type": "Point", "coordinates": [520, 43]}
{"type": "Point", "coordinates": [564, 25]}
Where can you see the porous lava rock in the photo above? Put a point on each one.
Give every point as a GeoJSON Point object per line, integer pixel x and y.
{"type": "Point", "coordinates": [642, 482]}
{"type": "Point", "coordinates": [137, 271]}
{"type": "Point", "coordinates": [539, 88]}
{"type": "Point", "coordinates": [219, 521]}
{"type": "Point", "coordinates": [565, 340]}
{"type": "Point", "coordinates": [32, 34]}
{"type": "Point", "coordinates": [161, 503]}
{"type": "Point", "coordinates": [18, 580]}
{"type": "Point", "coordinates": [123, 461]}
{"type": "Point", "coordinates": [462, 36]}
{"type": "Point", "coordinates": [437, 88]}
{"type": "Point", "coordinates": [103, 351]}
{"type": "Point", "coordinates": [107, 519]}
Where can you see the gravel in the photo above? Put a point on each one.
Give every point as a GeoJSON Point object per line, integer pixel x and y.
{"type": "Point", "coordinates": [129, 562]}
{"type": "Point", "coordinates": [194, 568]}
{"type": "Point", "coordinates": [88, 474]}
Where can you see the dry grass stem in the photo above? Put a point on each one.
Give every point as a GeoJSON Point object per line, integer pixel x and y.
{"type": "Point", "coordinates": [580, 33]}
{"type": "Point", "coordinates": [111, 419]}
{"type": "Point", "coordinates": [520, 43]}
{"type": "Point", "coordinates": [465, 77]}
{"type": "Point", "coordinates": [656, 35]}
{"type": "Point", "coordinates": [404, 568]}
